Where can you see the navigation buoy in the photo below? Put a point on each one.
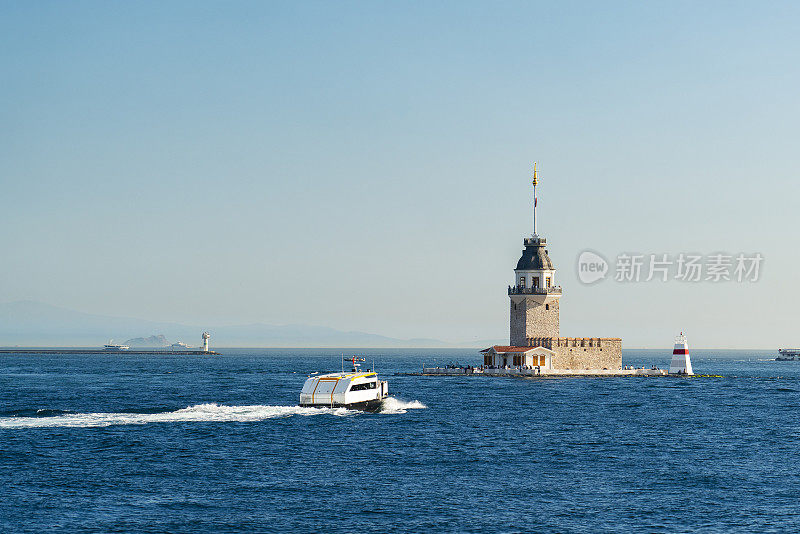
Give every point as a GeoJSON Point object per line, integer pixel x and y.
{"type": "Point", "coordinates": [681, 363]}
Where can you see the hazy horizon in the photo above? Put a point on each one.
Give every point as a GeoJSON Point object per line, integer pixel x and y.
{"type": "Point", "coordinates": [366, 167]}
{"type": "Point", "coordinates": [174, 335]}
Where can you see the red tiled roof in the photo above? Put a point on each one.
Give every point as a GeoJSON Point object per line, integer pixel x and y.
{"type": "Point", "coordinates": [507, 348]}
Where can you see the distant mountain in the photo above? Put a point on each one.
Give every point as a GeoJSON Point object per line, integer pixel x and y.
{"type": "Point", "coordinates": [152, 341]}
{"type": "Point", "coordinates": [29, 323]}
{"type": "Point", "coordinates": [35, 323]}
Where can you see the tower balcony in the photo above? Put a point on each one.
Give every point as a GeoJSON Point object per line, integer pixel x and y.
{"type": "Point", "coordinates": [519, 290]}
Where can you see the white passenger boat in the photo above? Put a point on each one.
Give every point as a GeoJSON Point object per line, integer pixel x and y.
{"type": "Point", "coordinates": [359, 390]}
{"type": "Point", "coordinates": [788, 355]}
{"type": "Point", "coordinates": [113, 347]}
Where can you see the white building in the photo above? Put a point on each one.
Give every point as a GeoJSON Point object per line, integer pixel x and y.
{"type": "Point", "coordinates": [500, 356]}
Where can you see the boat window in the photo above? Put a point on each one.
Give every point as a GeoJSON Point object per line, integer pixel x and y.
{"type": "Point", "coordinates": [361, 387]}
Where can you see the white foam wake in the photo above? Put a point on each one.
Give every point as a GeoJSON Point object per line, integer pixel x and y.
{"type": "Point", "coordinates": [393, 405]}
{"type": "Point", "coordinates": [198, 413]}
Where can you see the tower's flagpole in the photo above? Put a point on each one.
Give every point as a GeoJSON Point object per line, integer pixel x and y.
{"type": "Point", "coordinates": [535, 201]}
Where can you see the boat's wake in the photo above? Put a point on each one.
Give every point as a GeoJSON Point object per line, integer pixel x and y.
{"type": "Point", "coordinates": [393, 405]}
{"type": "Point", "coordinates": [211, 412]}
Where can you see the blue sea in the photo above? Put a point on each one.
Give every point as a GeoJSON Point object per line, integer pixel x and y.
{"type": "Point", "coordinates": [128, 443]}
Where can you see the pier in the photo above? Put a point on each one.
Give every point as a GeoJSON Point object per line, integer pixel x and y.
{"type": "Point", "coordinates": [533, 372]}
{"type": "Point", "coordinates": [109, 352]}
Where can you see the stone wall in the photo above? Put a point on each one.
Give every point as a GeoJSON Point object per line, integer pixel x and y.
{"type": "Point", "coordinates": [586, 353]}
{"type": "Point", "coordinates": [582, 352]}
{"type": "Point", "coordinates": [533, 316]}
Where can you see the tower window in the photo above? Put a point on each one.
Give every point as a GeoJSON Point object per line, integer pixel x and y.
{"type": "Point", "coordinates": [535, 281]}
{"type": "Point", "coordinates": [546, 306]}
{"type": "Point", "coordinates": [521, 281]}
{"type": "Point", "coordinates": [547, 281]}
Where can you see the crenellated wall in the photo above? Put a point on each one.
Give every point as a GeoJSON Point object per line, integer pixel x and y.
{"type": "Point", "coordinates": [582, 352]}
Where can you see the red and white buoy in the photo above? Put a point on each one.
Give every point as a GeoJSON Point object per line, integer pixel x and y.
{"type": "Point", "coordinates": [681, 363]}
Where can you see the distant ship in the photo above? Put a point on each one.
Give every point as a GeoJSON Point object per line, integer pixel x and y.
{"type": "Point", "coordinates": [179, 346]}
{"type": "Point", "coordinates": [788, 355]}
{"type": "Point", "coordinates": [112, 347]}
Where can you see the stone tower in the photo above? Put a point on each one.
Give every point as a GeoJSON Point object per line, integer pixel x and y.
{"type": "Point", "coordinates": [534, 297]}
{"type": "Point", "coordinates": [536, 343]}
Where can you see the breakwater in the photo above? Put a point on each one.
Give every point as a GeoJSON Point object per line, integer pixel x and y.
{"type": "Point", "coordinates": [515, 372]}
{"type": "Point", "coordinates": [101, 351]}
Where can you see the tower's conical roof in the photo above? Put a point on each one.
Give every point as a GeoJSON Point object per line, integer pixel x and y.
{"type": "Point", "coordinates": [534, 257]}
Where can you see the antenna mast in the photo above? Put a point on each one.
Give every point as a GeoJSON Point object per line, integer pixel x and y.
{"type": "Point", "coordinates": [535, 183]}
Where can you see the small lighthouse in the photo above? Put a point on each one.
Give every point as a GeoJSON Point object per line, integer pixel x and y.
{"type": "Point", "coordinates": [206, 335]}
{"type": "Point", "coordinates": [681, 363]}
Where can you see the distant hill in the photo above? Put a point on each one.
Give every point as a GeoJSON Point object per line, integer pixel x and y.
{"type": "Point", "coordinates": [35, 323]}
{"type": "Point", "coordinates": [29, 323]}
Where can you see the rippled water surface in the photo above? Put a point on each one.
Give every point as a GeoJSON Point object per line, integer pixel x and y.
{"type": "Point", "coordinates": [109, 443]}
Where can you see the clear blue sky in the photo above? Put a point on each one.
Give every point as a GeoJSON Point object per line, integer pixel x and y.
{"type": "Point", "coordinates": [365, 165]}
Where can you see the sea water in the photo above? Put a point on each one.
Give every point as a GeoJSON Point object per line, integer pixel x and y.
{"type": "Point", "coordinates": [118, 442]}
